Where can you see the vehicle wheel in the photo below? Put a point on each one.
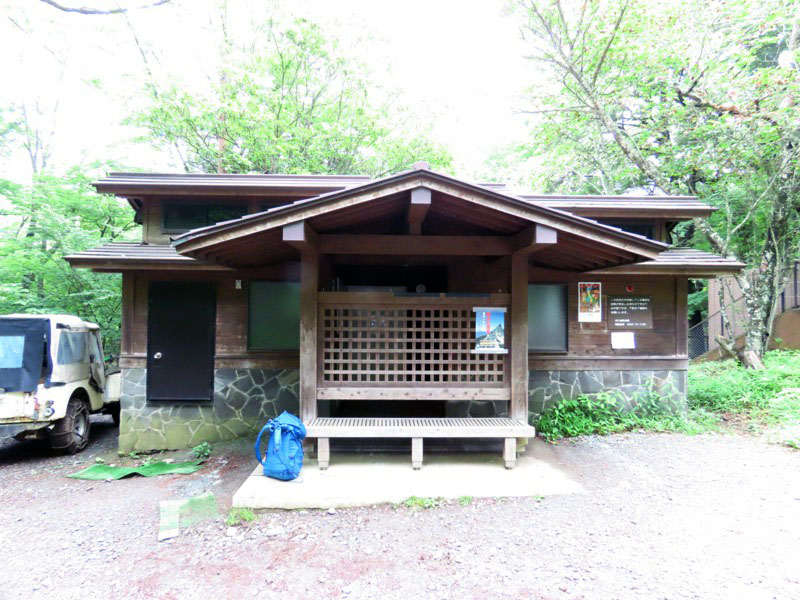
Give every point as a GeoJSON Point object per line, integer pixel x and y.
{"type": "Point", "coordinates": [114, 412]}
{"type": "Point", "coordinates": [71, 434]}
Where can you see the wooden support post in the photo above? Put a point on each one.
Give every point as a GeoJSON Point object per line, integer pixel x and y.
{"type": "Point", "coordinates": [519, 337]}
{"type": "Point", "coordinates": [417, 209]}
{"type": "Point", "coordinates": [510, 452]}
{"type": "Point", "coordinates": [324, 453]}
{"type": "Point", "coordinates": [128, 304]}
{"type": "Point", "coordinates": [681, 316]}
{"type": "Point", "coordinates": [416, 453]}
{"type": "Point", "coordinates": [303, 237]}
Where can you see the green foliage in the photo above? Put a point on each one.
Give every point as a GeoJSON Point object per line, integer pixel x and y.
{"type": "Point", "coordinates": [42, 223]}
{"type": "Point", "coordinates": [706, 106]}
{"type": "Point", "coordinates": [769, 398]}
{"type": "Point", "coordinates": [295, 103]}
{"type": "Point", "coordinates": [607, 412]}
{"type": "Point", "coordinates": [237, 516]}
{"type": "Point", "coordinates": [728, 387]}
{"type": "Point", "coordinates": [202, 451]}
{"type": "Point", "coordinates": [465, 500]}
{"type": "Point", "coordinates": [415, 502]}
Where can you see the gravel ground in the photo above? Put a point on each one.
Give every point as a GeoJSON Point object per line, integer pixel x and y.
{"type": "Point", "coordinates": [663, 516]}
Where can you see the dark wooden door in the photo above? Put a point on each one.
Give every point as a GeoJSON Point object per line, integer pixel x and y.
{"type": "Point", "coordinates": [180, 342]}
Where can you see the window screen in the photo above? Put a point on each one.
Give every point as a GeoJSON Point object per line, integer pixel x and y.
{"type": "Point", "coordinates": [274, 315]}
{"type": "Point", "coordinates": [11, 351]}
{"type": "Point", "coordinates": [547, 317]}
{"type": "Point", "coordinates": [71, 348]}
{"type": "Point", "coordinates": [182, 217]}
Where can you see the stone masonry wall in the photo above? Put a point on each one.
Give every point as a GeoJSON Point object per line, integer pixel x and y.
{"type": "Point", "coordinates": [547, 388]}
{"type": "Point", "coordinates": [244, 400]}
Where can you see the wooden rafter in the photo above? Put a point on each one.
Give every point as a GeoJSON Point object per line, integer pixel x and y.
{"type": "Point", "coordinates": [418, 207]}
{"type": "Point", "coordinates": [534, 238]}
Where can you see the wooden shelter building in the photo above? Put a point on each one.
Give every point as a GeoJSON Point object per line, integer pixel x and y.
{"type": "Point", "coordinates": [393, 307]}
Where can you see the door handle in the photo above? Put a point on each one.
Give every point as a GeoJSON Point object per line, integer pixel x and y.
{"type": "Point", "coordinates": [157, 356]}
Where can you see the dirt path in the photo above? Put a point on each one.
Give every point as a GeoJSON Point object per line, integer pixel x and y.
{"type": "Point", "coordinates": [664, 516]}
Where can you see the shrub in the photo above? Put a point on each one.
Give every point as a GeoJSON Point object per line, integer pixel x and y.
{"type": "Point", "coordinates": [610, 412]}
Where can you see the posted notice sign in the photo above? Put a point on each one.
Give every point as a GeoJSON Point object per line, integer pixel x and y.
{"type": "Point", "coordinates": [590, 303]}
{"type": "Point", "coordinates": [490, 326]}
{"type": "Point", "coordinates": [630, 312]}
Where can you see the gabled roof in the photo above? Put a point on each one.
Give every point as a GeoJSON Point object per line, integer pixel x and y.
{"type": "Point", "coordinates": [583, 244]}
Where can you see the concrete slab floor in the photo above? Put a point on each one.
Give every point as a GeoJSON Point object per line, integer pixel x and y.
{"type": "Point", "coordinates": [367, 479]}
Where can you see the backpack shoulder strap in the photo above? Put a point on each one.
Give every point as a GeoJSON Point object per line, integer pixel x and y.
{"type": "Point", "coordinates": [257, 447]}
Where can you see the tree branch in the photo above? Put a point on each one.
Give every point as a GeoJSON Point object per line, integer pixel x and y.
{"type": "Point", "coordinates": [85, 10]}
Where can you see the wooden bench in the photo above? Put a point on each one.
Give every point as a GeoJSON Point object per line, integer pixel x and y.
{"type": "Point", "coordinates": [418, 429]}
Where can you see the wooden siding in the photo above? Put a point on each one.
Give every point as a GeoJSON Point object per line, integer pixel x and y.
{"type": "Point", "coordinates": [231, 325]}
{"type": "Point", "coordinates": [662, 347]}
{"type": "Point", "coordinates": [665, 341]}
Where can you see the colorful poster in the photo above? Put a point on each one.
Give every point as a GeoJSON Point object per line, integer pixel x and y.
{"type": "Point", "coordinates": [590, 308]}
{"type": "Point", "coordinates": [490, 325]}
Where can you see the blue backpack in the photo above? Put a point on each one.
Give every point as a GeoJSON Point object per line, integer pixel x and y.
{"type": "Point", "coordinates": [284, 457]}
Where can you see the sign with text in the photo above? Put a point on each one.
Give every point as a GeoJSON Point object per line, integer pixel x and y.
{"type": "Point", "coordinates": [630, 312]}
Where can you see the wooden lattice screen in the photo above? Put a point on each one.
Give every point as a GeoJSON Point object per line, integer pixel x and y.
{"type": "Point", "coordinates": [404, 345]}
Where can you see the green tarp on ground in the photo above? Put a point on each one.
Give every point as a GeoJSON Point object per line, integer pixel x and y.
{"type": "Point", "coordinates": [175, 514]}
{"type": "Point", "coordinates": [102, 472]}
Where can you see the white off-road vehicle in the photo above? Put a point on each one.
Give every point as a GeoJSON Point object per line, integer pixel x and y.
{"type": "Point", "coordinates": [52, 376]}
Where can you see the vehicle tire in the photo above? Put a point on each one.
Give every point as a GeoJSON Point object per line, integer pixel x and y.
{"type": "Point", "coordinates": [114, 412]}
{"type": "Point", "coordinates": [71, 434]}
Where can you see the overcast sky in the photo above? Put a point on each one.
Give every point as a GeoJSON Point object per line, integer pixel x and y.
{"type": "Point", "coordinates": [458, 60]}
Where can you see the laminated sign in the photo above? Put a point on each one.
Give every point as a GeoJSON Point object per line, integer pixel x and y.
{"type": "Point", "coordinates": [490, 326]}
{"type": "Point", "coordinates": [590, 308]}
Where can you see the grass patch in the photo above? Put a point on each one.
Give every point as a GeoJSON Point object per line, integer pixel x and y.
{"type": "Point", "coordinates": [415, 502]}
{"type": "Point", "coordinates": [239, 515]}
{"type": "Point", "coordinates": [609, 412]}
{"type": "Point", "coordinates": [769, 398]}
{"type": "Point", "coordinates": [728, 387]}
{"type": "Point", "coordinates": [465, 500]}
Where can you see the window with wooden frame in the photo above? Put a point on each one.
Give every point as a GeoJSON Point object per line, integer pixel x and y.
{"type": "Point", "coordinates": [183, 217]}
{"type": "Point", "coordinates": [273, 315]}
{"type": "Point", "coordinates": [547, 317]}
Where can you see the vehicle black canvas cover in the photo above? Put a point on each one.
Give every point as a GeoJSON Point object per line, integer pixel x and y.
{"type": "Point", "coordinates": [21, 368]}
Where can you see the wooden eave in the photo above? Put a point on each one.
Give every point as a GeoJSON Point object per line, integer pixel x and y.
{"type": "Point", "coordinates": [130, 256]}
{"type": "Point", "coordinates": [680, 262]}
{"type": "Point", "coordinates": [257, 238]}
{"type": "Point", "coordinates": [670, 208]}
{"type": "Point", "coordinates": [188, 184]}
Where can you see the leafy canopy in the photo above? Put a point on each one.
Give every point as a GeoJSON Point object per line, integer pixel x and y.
{"type": "Point", "coordinates": [46, 221]}
{"type": "Point", "coordinates": [707, 92]}
{"type": "Point", "coordinates": [295, 104]}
